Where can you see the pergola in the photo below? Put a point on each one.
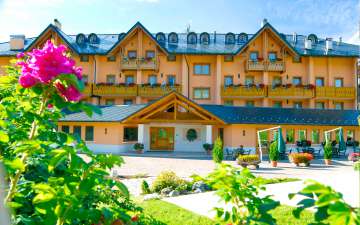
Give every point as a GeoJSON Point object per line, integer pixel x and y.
{"type": "Point", "coordinates": [259, 141]}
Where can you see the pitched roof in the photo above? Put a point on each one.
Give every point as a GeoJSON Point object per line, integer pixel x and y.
{"type": "Point", "coordinates": [216, 45]}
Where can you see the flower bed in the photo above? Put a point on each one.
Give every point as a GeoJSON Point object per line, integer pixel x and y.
{"type": "Point", "coordinates": [248, 160]}
{"type": "Point", "coordinates": [301, 158]}
{"type": "Point", "coordinates": [354, 157]}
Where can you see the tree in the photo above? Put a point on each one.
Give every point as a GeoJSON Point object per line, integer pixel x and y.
{"type": "Point", "coordinates": [218, 153]}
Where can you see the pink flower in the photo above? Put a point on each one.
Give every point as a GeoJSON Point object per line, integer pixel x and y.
{"type": "Point", "coordinates": [27, 80]}
{"type": "Point", "coordinates": [70, 93]}
{"type": "Point", "coordinates": [20, 55]}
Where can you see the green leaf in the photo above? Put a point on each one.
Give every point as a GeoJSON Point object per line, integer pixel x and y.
{"type": "Point", "coordinates": [71, 79]}
{"type": "Point", "coordinates": [4, 137]}
{"type": "Point", "coordinates": [16, 164]}
{"type": "Point", "coordinates": [40, 210]}
{"type": "Point", "coordinates": [43, 197]}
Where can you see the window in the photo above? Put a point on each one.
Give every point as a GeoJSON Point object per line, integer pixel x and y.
{"type": "Point", "coordinates": [111, 58]}
{"type": "Point", "coordinates": [277, 104]}
{"type": "Point", "coordinates": [191, 38]}
{"type": "Point", "coordinates": [202, 69]}
{"type": "Point", "coordinates": [109, 101]}
{"type": "Point", "coordinates": [171, 58]}
{"type": "Point", "coordinates": [339, 105]}
{"type": "Point", "coordinates": [350, 135]}
{"type": "Point", "coordinates": [302, 135]}
{"type": "Point", "coordinates": [173, 38]}
{"type": "Point", "coordinates": [130, 134]}
{"type": "Point", "coordinates": [77, 131]}
{"type": "Point", "coordinates": [249, 103]}
{"type": "Point", "coordinates": [128, 101]}
{"type": "Point", "coordinates": [201, 93]}
{"type": "Point", "coordinates": [229, 102]}
{"type": "Point", "coordinates": [315, 136]}
{"type": "Point", "coordinates": [249, 80]}
{"type": "Point", "coordinates": [254, 56]}
{"type": "Point", "coordinates": [272, 56]}
{"type": "Point", "coordinates": [129, 79]}
{"type": "Point", "coordinates": [89, 133]}
{"type": "Point", "coordinates": [339, 82]}
{"type": "Point", "coordinates": [65, 129]}
{"type": "Point", "coordinates": [228, 80]}
{"type": "Point", "coordinates": [85, 78]}
{"type": "Point", "coordinates": [150, 54]}
{"type": "Point", "coordinates": [152, 79]}
{"type": "Point", "coordinates": [290, 136]}
{"type": "Point", "coordinates": [110, 79]}
{"type": "Point", "coordinates": [320, 105]}
{"type": "Point", "coordinates": [297, 105]}
{"type": "Point", "coordinates": [132, 54]}
{"type": "Point", "coordinates": [171, 80]}
{"type": "Point", "coordinates": [243, 37]}
{"type": "Point", "coordinates": [228, 58]}
{"type": "Point", "coordinates": [84, 58]}
{"type": "Point", "coordinates": [204, 38]}
{"type": "Point", "coordinates": [319, 82]}
{"type": "Point", "coordinates": [230, 39]}
{"type": "Point", "coordinates": [296, 81]}
{"type": "Point", "coordinates": [276, 81]}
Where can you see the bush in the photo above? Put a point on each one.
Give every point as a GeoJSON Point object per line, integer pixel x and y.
{"type": "Point", "coordinates": [357, 166]}
{"type": "Point", "coordinates": [301, 158]}
{"type": "Point", "coordinates": [328, 150]}
{"type": "Point", "coordinates": [247, 158]}
{"type": "Point", "coordinates": [145, 189]}
{"type": "Point", "coordinates": [207, 146]}
{"type": "Point", "coordinates": [218, 153]}
{"type": "Point", "coordinates": [138, 146]}
{"type": "Point", "coordinates": [167, 179]}
{"type": "Point", "coordinates": [273, 151]}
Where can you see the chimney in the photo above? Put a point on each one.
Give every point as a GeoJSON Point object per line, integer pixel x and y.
{"type": "Point", "coordinates": [214, 36]}
{"type": "Point", "coordinates": [308, 44]}
{"type": "Point", "coordinates": [263, 22]}
{"type": "Point", "coordinates": [329, 44]}
{"type": "Point", "coordinates": [340, 40]}
{"type": "Point", "coordinates": [57, 24]}
{"type": "Point", "coordinates": [294, 37]}
{"type": "Point", "coordinates": [17, 42]}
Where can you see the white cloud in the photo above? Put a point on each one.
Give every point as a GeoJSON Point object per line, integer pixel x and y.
{"type": "Point", "coordinates": [354, 39]}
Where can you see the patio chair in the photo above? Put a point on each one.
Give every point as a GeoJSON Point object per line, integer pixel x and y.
{"type": "Point", "coordinates": [317, 152]}
{"type": "Point", "coordinates": [342, 152]}
{"type": "Point", "coordinates": [335, 152]}
{"type": "Point", "coordinates": [229, 154]}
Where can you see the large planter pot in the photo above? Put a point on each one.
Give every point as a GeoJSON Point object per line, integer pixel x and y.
{"type": "Point", "coordinates": [274, 163]}
{"type": "Point", "coordinates": [327, 161]}
{"type": "Point", "coordinates": [208, 152]}
{"type": "Point", "coordinates": [254, 164]}
{"type": "Point", "coordinates": [139, 151]}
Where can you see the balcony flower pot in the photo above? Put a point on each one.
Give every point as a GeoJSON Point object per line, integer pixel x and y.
{"type": "Point", "coordinates": [274, 163]}
{"type": "Point", "coordinates": [208, 147]}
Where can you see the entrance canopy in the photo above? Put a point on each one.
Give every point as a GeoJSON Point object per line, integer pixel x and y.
{"type": "Point", "coordinates": [174, 108]}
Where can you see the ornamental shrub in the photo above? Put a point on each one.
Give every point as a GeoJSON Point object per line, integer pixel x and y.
{"type": "Point", "coordinates": [167, 179]}
{"type": "Point", "coordinates": [145, 189]}
{"type": "Point", "coordinates": [301, 158]}
{"type": "Point", "coordinates": [273, 151]}
{"type": "Point", "coordinates": [357, 166]}
{"type": "Point", "coordinates": [328, 150]}
{"type": "Point", "coordinates": [218, 153]}
{"type": "Point", "coordinates": [53, 177]}
{"type": "Point", "coordinates": [247, 158]}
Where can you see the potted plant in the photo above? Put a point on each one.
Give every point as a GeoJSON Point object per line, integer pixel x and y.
{"type": "Point", "coordinates": [274, 153]}
{"type": "Point", "coordinates": [301, 158]}
{"type": "Point", "coordinates": [246, 160]}
{"type": "Point", "coordinates": [139, 147]}
{"type": "Point", "coordinates": [328, 153]}
{"type": "Point", "coordinates": [208, 147]}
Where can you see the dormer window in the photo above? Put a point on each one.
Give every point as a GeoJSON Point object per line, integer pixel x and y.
{"type": "Point", "coordinates": [160, 37]}
{"type": "Point", "coordinates": [230, 39]}
{"type": "Point", "coordinates": [80, 39]}
{"type": "Point", "coordinates": [173, 38]}
{"type": "Point", "coordinates": [204, 38]}
{"type": "Point", "coordinates": [150, 54]}
{"type": "Point", "coordinates": [243, 37]}
{"type": "Point", "coordinates": [313, 38]}
{"type": "Point", "coordinates": [93, 38]}
{"type": "Point", "coordinates": [191, 38]}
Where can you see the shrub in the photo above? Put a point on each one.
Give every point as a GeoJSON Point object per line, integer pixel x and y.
{"type": "Point", "coordinates": [138, 146]}
{"type": "Point", "coordinates": [145, 189]}
{"type": "Point", "coordinates": [357, 166]}
{"type": "Point", "coordinates": [247, 158]}
{"type": "Point", "coordinates": [207, 146]}
{"type": "Point", "coordinates": [328, 150]}
{"type": "Point", "coordinates": [301, 158]}
{"type": "Point", "coordinates": [167, 179]}
{"type": "Point", "coordinates": [273, 151]}
{"type": "Point", "coordinates": [218, 153]}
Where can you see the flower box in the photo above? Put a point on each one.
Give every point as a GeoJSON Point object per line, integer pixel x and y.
{"type": "Point", "coordinates": [302, 159]}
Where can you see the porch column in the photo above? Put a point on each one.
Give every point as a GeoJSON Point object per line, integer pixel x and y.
{"type": "Point", "coordinates": [209, 134]}
{"type": "Point", "coordinates": [141, 131]}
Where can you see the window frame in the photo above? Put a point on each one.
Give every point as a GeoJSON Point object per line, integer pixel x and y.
{"type": "Point", "coordinates": [202, 89]}
{"type": "Point", "coordinates": [257, 56]}
{"type": "Point", "coordinates": [228, 58]}
{"type": "Point", "coordinates": [131, 51]}
{"type": "Point", "coordinates": [249, 77]}
{"type": "Point", "coordinates": [293, 136]}
{"type": "Point", "coordinates": [65, 129]}
{"type": "Point", "coordinates": [339, 79]}
{"type": "Point", "coordinates": [275, 102]}
{"type": "Point", "coordinates": [150, 52]}
{"type": "Point", "coordinates": [250, 105]}
{"type": "Point", "coordinates": [169, 59]}
{"type": "Point", "coordinates": [323, 105]}
{"type": "Point", "coordinates": [170, 76]}
{"type": "Point", "coordinates": [110, 99]}
{"type": "Point", "coordinates": [110, 76]}
{"type": "Point", "coordinates": [272, 53]}
{"type": "Point", "coordinates": [151, 76]}
{"type": "Point", "coordinates": [111, 58]}
{"type": "Point", "coordinates": [126, 100]}
{"type": "Point", "coordinates": [85, 78]}
{"type": "Point", "coordinates": [341, 104]}
{"type": "Point", "coordinates": [295, 103]}
{"type": "Point", "coordinates": [87, 128]}
{"type": "Point", "coordinates": [84, 58]}
{"type": "Point", "coordinates": [124, 132]}
{"type": "Point", "coordinates": [201, 68]}
{"type": "Point", "coordinates": [279, 78]}
{"type": "Point", "coordinates": [229, 102]}
{"type": "Point", "coordinates": [299, 136]}
{"type": "Point", "coordinates": [128, 76]}
{"type": "Point", "coordinates": [228, 77]}
{"type": "Point", "coordinates": [75, 131]}
{"type": "Point", "coordinates": [312, 137]}
{"type": "Point", "coordinates": [319, 78]}
{"type": "Point", "coordinates": [294, 78]}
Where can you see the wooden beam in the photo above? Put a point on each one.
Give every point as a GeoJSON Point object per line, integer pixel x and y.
{"type": "Point", "coordinates": [166, 106]}
{"type": "Point", "coordinates": [193, 111]}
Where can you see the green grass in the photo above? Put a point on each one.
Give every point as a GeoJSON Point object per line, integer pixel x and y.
{"type": "Point", "coordinates": [171, 214]}
{"type": "Point", "coordinates": [278, 180]}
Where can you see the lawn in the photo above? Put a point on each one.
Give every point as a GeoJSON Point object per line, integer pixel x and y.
{"type": "Point", "coordinates": [171, 214]}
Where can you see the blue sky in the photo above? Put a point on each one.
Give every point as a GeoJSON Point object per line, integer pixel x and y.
{"type": "Point", "coordinates": [326, 18]}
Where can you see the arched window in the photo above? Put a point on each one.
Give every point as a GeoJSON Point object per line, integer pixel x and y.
{"type": "Point", "coordinates": [230, 39]}
{"type": "Point", "coordinates": [313, 38]}
{"type": "Point", "coordinates": [243, 37]}
{"type": "Point", "coordinates": [204, 38]}
{"type": "Point", "coordinates": [93, 38]}
{"type": "Point", "coordinates": [191, 38]}
{"type": "Point", "coordinates": [80, 39]}
{"type": "Point", "coordinates": [173, 38]}
{"type": "Point", "coordinates": [160, 37]}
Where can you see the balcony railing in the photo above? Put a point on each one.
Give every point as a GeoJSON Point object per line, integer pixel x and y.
{"type": "Point", "coordinates": [114, 90]}
{"type": "Point", "coordinates": [87, 90]}
{"type": "Point", "coordinates": [265, 66]}
{"type": "Point", "coordinates": [156, 91]}
{"type": "Point", "coordinates": [290, 92]}
{"type": "Point", "coordinates": [139, 63]}
{"type": "Point", "coordinates": [335, 92]}
{"type": "Point", "coordinates": [243, 91]}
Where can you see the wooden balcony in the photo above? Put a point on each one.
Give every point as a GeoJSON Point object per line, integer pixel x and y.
{"type": "Point", "coordinates": [87, 90]}
{"type": "Point", "coordinates": [265, 66]}
{"type": "Point", "coordinates": [139, 63]}
{"type": "Point", "coordinates": [275, 66]}
{"type": "Point", "coordinates": [255, 65]}
{"type": "Point", "coordinates": [291, 92]}
{"type": "Point", "coordinates": [335, 92]}
{"type": "Point", "coordinates": [114, 90]}
{"type": "Point", "coordinates": [243, 92]}
{"type": "Point", "coordinates": [156, 91]}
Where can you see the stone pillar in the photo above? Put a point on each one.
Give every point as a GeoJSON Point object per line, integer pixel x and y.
{"type": "Point", "coordinates": [141, 133]}
{"type": "Point", "coordinates": [209, 134]}
{"type": "Point", "coordinates": [218, 80]}
{"type": "Point", "coordinates": [184, 76]}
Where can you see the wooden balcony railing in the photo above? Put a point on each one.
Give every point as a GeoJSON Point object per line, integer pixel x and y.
{"type": "Point", "coordinates": [114, 90]}
{"type": "Point", "coordinates": [255, 65]}
{"type": "Point", "coordinates": [291, 92]}
{"type": "Point", "coordinates": [247, 92]}
{"type": "Point", "coordinates": [265, 66]}
{"type": "Point", "coordinates": [87, 90]}
{"type": "Point", "coordinates": [335, 92]}
{"type": "Point", "coordinates": [275, 66]}
{"type": "Point", "coordinates": [139, 63]}
{"type": "Point", "coordinates": [156, 91]}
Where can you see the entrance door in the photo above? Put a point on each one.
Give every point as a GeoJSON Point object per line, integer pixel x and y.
{"type": "Point", "coordinates": [162, 138]}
